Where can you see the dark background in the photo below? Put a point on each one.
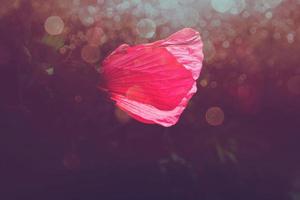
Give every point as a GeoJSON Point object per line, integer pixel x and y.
{"type": "Point", "coordinates": [60, 137]}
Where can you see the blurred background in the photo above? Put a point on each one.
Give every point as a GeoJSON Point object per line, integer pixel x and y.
{"type": "Point", "coordinates": [61, 138]}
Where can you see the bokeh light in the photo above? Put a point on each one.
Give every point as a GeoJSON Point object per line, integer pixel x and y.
{"type": "Point", "coordinates": [96, 36]}
{"type": "Point", "coordinates": [90, 54]}
{"type": "Point", "coordinates": [50, 71]}
{"type": "Point", "coordinates": [238, 7]}
{"type": "Point", "coordinates": [7, 6]}
{"type": "Point", "coordinates": [78, 99]}
{"type": "Point", "coordinates": [222, 6]}
{"type": "Point", "coordinates": [214, 116]}
{"type": "Point", "coordinates": [54, 25]}
{"type": "Point", "coordinates": [146, 28]}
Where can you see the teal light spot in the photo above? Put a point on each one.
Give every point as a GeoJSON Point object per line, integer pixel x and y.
{"type": "Point", "coordinates": [222, 6]}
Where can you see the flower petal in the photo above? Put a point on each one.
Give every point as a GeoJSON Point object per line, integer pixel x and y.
{"type": "Point", "coordinates": [154, 82]}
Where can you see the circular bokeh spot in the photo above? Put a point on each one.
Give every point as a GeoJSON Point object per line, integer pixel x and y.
{"type": "Point", "coordinates": [54, 25]}
{"type": "Point", "coordinates": [222, 6]}
{"type": "Point", "coordinates": [90, 54]}
{"type": "Point", "coordinates": [146, 28]}
{"type": "Point", "coordinates": [95, 36]}
{"type": "Point", "coordinates": [214, 116]}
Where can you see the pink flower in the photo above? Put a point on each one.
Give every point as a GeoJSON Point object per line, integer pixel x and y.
{"type": "Point", "coordinates": [154, 82]}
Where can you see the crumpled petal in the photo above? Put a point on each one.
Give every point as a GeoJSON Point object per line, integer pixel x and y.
{"type": "Point", "coordinates": [154, 82]}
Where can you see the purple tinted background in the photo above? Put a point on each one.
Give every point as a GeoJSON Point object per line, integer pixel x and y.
{"type": "Point", "coordinates": [55, 147]}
